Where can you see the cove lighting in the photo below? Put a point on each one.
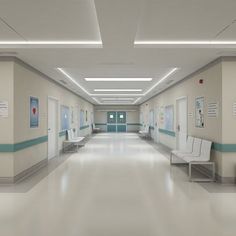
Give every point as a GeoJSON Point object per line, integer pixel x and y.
{"type": "Point", "coordinates": [118, 79]}
{"type": "Point", "coordinates": [118, 90]}
{"type": "Point", "coordinates": [51, 44]}
{"type": "Point", "coordinates": [172, 71]}
{"type": "Point", "coordinates": [73, 80]}
{"type": "Point", "coordinates": [184, 42]}
{"type": "Point", "coordinates": [137, 100]}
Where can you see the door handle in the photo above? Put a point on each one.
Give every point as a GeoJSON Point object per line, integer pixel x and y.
{"type": "Point", "coordinates": [178, 128]}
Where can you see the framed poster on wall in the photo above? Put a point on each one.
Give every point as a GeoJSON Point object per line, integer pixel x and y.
{"type": "Point", "coordinates": [65, 116]}
{"type": "Point", "coordinates": [169, 118]}
{"type": "Point", "coordinates": [199, 112]}
{"type": "Point", "coordinates": [34, 112]}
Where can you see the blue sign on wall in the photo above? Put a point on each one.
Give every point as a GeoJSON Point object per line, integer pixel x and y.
{"type": "Point", "coordinates": [34, 112]}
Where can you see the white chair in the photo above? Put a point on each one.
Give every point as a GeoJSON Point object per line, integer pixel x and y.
{"type": "Point", "coordinates": [72, 140]}
{"type": "Point", "coordinates": [146, 132]}
{"type": "Point", "coordinates": [202, 159]}
{"type": "Point", "coordinates": [196, 149]}
{"type": "Point", "coordinates": [188, 149]}
{"type": "Point", "coordinates": [95, 129]}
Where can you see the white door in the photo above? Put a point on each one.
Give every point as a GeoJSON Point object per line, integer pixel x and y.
{"type": "Point", "coordinates": [182, 126]}
{"type": "Point", "coordinates": [52, 128]}
{"type": "Point", "coordinates": [156, 125]}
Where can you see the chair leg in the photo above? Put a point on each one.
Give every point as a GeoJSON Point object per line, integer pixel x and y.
{"type": "Point", "coordinates": [213, 171]}
{"type": "Point", "coordinates": [190, 171]}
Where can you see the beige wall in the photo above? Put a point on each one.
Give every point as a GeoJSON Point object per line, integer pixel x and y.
{"type": "Point", "coordinates": [22, 82]}
{"type": "Point", "coordinates": [6, 124]}
{"type": "Point", "coordinates": [228, 120]}
{"type": "Point", "coordinates": [211, 90]}
{"type": "Point", "coordinates": [132, 116]}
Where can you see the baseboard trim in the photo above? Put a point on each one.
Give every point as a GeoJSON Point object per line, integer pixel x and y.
{"type": "Point", "coordinates": [24, 174]}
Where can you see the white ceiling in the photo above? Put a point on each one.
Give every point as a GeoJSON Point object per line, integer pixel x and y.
{"type": "Point", "coordinates": [118, 24]}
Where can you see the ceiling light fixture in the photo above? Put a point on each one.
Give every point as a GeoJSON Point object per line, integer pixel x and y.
{"type": "Point", "coordinates": [118, 79]}
{"type": "Point", "coordinates": [113, 99]}
{"type": "Point", "coordinates": [52, 44]}
{"type": "Point", "coordinates": [184, 42]}
{"type": "Point", "coordinates": [137, 100]}
{"type": "Point", "coordinates": [118, 90]}
{"type": "Point", "coordinates": [73, 80]}
{"type": "Point", "coordinates": [172, 71]}
{"type": "Point", "coordinates": [117, 94]}
{"type": "Point", "coordinates": [49, 42]}
{"type": "Point", "coordinates": [96, 100]}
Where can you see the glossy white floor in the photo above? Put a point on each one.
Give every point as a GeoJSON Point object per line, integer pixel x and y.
{"type": "Point", "coordinates": [117, 185]}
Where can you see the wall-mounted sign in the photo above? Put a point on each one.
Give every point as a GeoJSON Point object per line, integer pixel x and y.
{"type": "Point", "coordinates": [234, 109]}
{"type": "Point", "coordinates": [34, 112]}
{"type": "Point", "coordinates": [212, 111]}
{"type": "Point", "coordinates": [3, 108]}
{"type": "Point", "coordinates": [199, 112]}
{"type": "Point", "coordinates": [190, 114]}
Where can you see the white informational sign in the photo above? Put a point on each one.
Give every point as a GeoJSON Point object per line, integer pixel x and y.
{"type": "Point", "coordinates": [121, 116]}
{"type": "Point", "coordinates": [213, 108]}
{"type": "Point", "coordinates": [190, 114]}
{"type": "Point", "coordinates": [199, 112]}
{"type": "Point", "coordinates": [234, 109]}
{"type": "Point", "coordinates": [3, 108]}
{"type": "Point", "coordinates": [111, 116]}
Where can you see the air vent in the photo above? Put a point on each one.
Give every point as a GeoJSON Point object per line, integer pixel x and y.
{"type": "Point", "coordinates": [63, 82]}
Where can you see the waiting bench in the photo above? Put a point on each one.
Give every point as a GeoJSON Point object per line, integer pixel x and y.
{"type": "Point", "coordinates": [197, 152]}
{"type": "Point", "coordinates": [145, 133]}
{"type": "Point", "coordinates": [72, 140]}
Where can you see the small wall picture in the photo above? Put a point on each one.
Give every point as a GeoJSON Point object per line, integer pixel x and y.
{"type": "Point", "coordinates": [34, 112]}
{"type": "Point", "coordinates": [199, 112]}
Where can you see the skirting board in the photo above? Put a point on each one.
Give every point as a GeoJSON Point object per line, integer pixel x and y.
{"type": "Point", "coordinates": [219, 179]}
{"type": "Point", "coordinates": [24, 174]}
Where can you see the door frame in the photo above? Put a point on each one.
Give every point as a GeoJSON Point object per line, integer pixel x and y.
{"type": "Point", "coordinates": [156, 124]}
{"type": "Point", "coordinates": [57, 123]}
{"type": "Point", "coordinates": [176, 120]}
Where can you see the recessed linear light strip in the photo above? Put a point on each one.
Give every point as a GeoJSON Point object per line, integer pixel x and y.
{"type": "Point", "coordinates": [172, 71]}
{"type": "Point", "coordinates": [51, 44]}
{"type": "Point", "coordinates": [48, 42]}
{"type": "Point", "coordinates": [73, 80]}
{"type": "Point", "coordinates": [118, 79]}
{"type": "Point", "coordinates": [161, 80]}
{"type": "Point", "coordinates": [117, 99]}
{"type": "Point", "coordinates": [136, 100]}
{"type": "Point", "coordinates": [118, 90]}
{"type": "Point", "coordinates": [147, 42]}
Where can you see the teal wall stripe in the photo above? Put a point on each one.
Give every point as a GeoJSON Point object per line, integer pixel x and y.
{"type": "Point", "coordinates": [84, 127]}
{"type": "Point", "coordinates": [168, 132]}
{"type": "Point", "coordinates": [224, 147]}
{"type": "Point", "coordinates": [6, 147]}
{"type": "Point", "coordinates": [22, 145]}
{"type": "Point", "coordinates": [100, 124]}
{"type": "Point", "coordinates": [134, 124]}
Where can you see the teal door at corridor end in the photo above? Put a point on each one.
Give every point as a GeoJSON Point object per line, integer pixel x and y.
{"type": "Point", "coordinates": [111, 121]}
{"type": "Point", "coordinates": [121, 121]}
{"type": "Point", "coordinates": [116, 121]}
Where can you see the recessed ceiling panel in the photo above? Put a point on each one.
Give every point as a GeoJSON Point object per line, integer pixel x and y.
{"type": "Point", "coordinates": [52, 19]}
{"type": "Point", "coordinates": [7, 33]}
{"type": "Point", "coordinates": [184, 19]}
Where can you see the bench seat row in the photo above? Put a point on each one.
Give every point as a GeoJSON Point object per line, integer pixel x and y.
{"type": "Point", "coordinates": [196, 152]}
